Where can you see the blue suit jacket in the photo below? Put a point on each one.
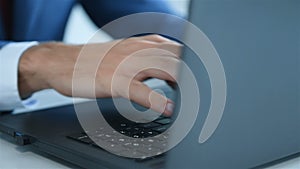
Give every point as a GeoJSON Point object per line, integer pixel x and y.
{"type": "Point", "coordinates": [45, 20]}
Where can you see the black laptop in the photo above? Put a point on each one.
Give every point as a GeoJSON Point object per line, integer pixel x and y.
{"type": "Point", "coordinates": [258, 42]}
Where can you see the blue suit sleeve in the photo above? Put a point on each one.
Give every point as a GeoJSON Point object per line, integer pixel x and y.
{"type": "Point", "coordinates": [3, 43]}
{"type": "Point", "coordinates": [105, 11]}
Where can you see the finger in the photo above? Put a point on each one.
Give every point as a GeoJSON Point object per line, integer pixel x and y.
{"type": "Point", "coordinates": [159, 39]}
{"type": "Point", "coordinates": [161, 67]}
{"type": "Point", "coordinates": [156, 73]}
{"type": "Point", "coordinates": [150, 99]}
{"type": "Point", "coordinates": [173, 48]}
{"type": "Point", "coordinates": [162, 49]}
{"type": "Point", "coordinates": [164, 43]}
{"type": "Point", "coordinates": [155, 38]}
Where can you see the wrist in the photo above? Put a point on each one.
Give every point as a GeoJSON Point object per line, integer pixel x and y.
{"type": "Point", "coordinates": [41, 64]}
{"type": "Point", "coordinates": [27, 73]}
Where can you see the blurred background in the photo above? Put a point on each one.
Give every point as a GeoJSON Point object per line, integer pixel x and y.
{"type": "Point", "coordinates": [79, 30]}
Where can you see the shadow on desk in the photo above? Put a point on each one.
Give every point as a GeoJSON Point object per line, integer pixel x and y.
{"type": "Point", "coordinates": [32, 149]}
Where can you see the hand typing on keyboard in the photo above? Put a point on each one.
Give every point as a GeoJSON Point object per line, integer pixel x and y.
{"type": "Point", "coordinates": [54, 65]}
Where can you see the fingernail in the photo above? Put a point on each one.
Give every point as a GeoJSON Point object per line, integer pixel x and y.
{"type": "Point", "coordinates": [169, 108]}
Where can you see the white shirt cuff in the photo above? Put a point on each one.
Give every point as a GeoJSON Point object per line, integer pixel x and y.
{"type": "Point", "coordinates": [9, 62]}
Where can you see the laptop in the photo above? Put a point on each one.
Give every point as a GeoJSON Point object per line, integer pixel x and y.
{"type": "Point", "coordinates": [258, 42]}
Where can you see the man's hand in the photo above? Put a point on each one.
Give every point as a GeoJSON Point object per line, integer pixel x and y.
{"type": "Point", "coordinates": [51, 65]}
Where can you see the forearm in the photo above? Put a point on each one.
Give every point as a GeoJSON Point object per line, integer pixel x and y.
{"type": "Point", "coordinates": [39, 63]}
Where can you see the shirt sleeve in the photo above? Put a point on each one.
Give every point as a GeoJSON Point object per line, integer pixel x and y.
{"type": "Point", "coordinates": [9, 60]}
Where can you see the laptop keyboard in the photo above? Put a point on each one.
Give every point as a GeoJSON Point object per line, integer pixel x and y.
{"type": "Point", "coordinates": [144, 138]}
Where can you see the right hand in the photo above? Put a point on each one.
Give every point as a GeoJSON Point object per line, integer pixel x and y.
{"type": "Point", "coordinates": [51, 65]}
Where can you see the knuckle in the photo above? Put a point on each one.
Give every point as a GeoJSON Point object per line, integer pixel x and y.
{"type": "Point", "coordinates": [156, 36]}
{"type": "Point", "coordinates": [146, 44]}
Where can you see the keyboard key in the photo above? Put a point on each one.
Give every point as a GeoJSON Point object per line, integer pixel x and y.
{"type": "Point", "coordinates": [81, 137]}
{"type": "Point", "coordinates": [148, 133]}
{"type": "Point", "coordinates": [161, 117]}
{"type": "Point", "coordinates": [164, 121]}
{"type": "Point", "coordinates": [86, 140]}
{"type": "Point", "coordinates": [77, 136]}
{"type": "Point", "coordinates": [149, 125]}
{"type": "Point", "coordinates": [160, 129]}
{"type": "Point", "coordinates": [136, 136]}
{"type": "Point", "coordinates": [122, 132]}
{"type": "Point", "coordinates": [134, 153]}
{"type": "Point", "coordinates": [123, 125]}
{"type": "Point", "coordinates": [150, 151]}
{"type": "Point", "coordinates": [160, 145]}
